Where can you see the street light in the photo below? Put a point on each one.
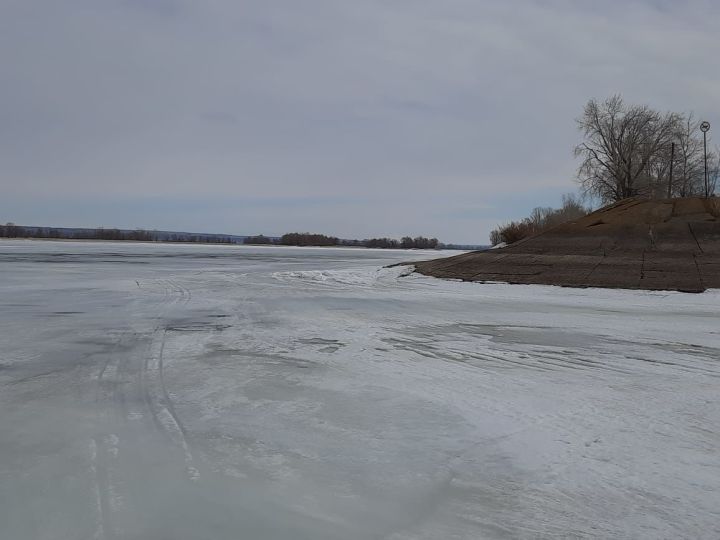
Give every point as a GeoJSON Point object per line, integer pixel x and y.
{"type": "Point", "coordinates": [705, 127]}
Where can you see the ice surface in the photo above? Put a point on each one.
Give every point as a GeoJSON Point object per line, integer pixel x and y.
{"type": "Point", "coordinates": [212, 392]}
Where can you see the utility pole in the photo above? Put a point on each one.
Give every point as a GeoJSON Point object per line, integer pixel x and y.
{"type": "Point", "coordinates": [705, 127]}
{"type": "Point", "coordinates": [672, 161]}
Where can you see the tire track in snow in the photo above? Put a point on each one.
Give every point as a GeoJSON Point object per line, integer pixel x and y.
{"type": "Point", "coordinates": [100, 505]}
{"type": "Point", "coordinates": [104, 448]}
{"type": "Point", "coordinates": [160, 405]}
{"type": "Point", "coordinates": [108, 502]}
{"type": "Point", "coordinates": [131, 396]}
{"type": "Point", "coordinates": [150, 390]}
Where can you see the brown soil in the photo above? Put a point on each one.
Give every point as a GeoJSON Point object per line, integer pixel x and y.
{"type": "Point", "coordinates": [671, 244]}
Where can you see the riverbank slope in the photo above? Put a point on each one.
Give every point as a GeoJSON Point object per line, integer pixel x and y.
{"type": "Point", "coordinates": [669, 244]}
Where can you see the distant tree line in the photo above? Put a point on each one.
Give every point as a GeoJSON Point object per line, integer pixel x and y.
{"type": "Point", "coordinates": [10, 230]}
{"type": "Point", "coordinates": [197, 238]}
{"type": "Point", "coordinates": [541, 219]}
{"type": "Point", "coordinates": [406, 242]}
{"type": "Point", "coordinates": [419, 242]}
{"type": "Point", "coordinates": [308, 239]}
{"type": "Point", "coordinates": [258, 240]}
{"type": "Point", "coordinates": [138, 235]}
{"type": "Point", "coordinates": [382, 243]}
{"type": "Point", "coordinates": [311, 239]}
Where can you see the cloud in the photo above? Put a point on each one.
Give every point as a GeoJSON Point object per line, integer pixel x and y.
{"type": "Point", "coordinates": [400, 106]}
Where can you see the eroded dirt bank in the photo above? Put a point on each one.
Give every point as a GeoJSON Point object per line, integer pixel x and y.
{"type": "Point", "coordinates": [671, 244]}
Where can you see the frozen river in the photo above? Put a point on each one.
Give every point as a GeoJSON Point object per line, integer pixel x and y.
{"type": "Point", "coordinates": [187, 392]}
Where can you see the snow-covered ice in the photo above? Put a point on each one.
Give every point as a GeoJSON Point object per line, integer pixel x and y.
{"type": "Point", "coordinates": [184, 392]}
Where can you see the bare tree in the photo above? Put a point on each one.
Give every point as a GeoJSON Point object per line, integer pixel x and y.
{"type": "Point", "coordinates": [621, 144]}
{"type": "Point", "coordinates": [541, 219]}
{"type": "Point", "coordinates": [713, 171]}
{"type": "Point", "coordinates": [688, 177]}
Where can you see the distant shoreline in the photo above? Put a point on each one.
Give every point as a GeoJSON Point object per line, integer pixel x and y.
{"type": "Point", "coordinates": [300, 239]}
{"type": "Point", "coordinates": [238, 245]}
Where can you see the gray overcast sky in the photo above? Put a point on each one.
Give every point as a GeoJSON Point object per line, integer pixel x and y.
{"type": "Point", "coordinates": [355, 118]}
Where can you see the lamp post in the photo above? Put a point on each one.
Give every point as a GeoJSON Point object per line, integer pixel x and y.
{"type": "Point", "coordinates": [705, 127]}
